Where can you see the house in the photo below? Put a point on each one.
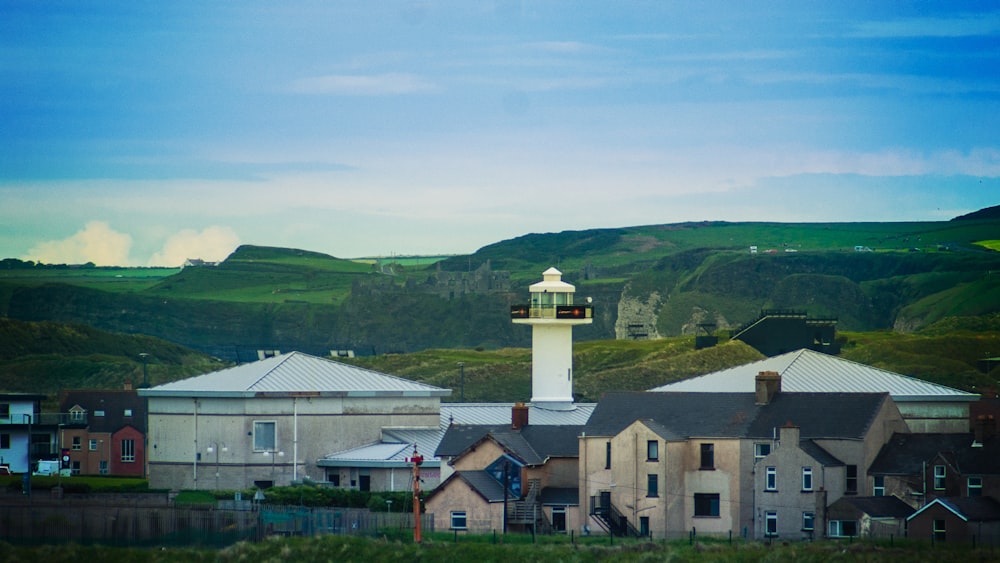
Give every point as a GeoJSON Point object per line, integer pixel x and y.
{"type": "Point", "coordinates": [921, 467]}
{"type": "Point", "coordinates": [868, 517]}
{"type": "Point", "coordinates": [957, 520]}
{"type": "Point", "coordinates": [531, 470]}
{"type": "Point", "coordinates": [105, 431]}
{"type": "Point", "coordinates": [926, 407]}
{"type": "Point", "coordinates": [778, 331]}
{"type": "Point", "coordinates": [269, 422]}
{"type": "Point", "coordinates": [664, 463]}
{"type": "Point", "coordinates": [25, 435]}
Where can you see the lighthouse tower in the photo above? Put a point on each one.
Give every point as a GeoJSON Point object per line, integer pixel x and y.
{"type": "Point", "coordinates": [552, 316]}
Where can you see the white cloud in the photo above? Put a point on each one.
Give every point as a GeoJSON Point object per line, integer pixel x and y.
{"type": "Point", "coordinates": [97, 242]}
{"type": "Point", "coordinates": [362, 85]}
{"type": "Point", "coordinates": [213, 244]}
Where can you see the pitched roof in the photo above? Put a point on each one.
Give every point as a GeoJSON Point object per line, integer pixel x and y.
{"type": "Point", "coordinates": [379, 454]}
{"type": "Point", "coordinates": [113, 404]}
{"type": "Point", "coordinates": [806, 371]}
{"type": "Point", "coordinates": [499, 413]}
{"type": "Point", "coordinates": [906, 454]}
{"type": "Point", "coordinates": [819, 415]}
{"type": "Point", "coordinates": [483, 483]}
{"type": "Point", "coordinates": [295, 374]}
{"type": "Point", "coordinates": [970, 509]}
{"type": "Point", "coordinates": [735, 415]}
{"type": "Point", "coordinates": [815, 451]}
{"type": "Point", "coordinates": [876, 507]}
{"type": "Point", "coordinates": [684, 414]}
{"type": "Point", "coordinates": [532, 444]}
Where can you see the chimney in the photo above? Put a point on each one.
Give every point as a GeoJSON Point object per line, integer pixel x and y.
{"type": "Point", "coordinates": [789, 434]}
{"type": "Point", "coordinates": [518, 416]}
{"type": "Point", "coordinates": [768, 384]}
{"type": "Point", "coordinates": [128, 384]}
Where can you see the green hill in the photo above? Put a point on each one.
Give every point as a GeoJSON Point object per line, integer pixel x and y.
{"type": "Point", "coordinates": [668, 279]}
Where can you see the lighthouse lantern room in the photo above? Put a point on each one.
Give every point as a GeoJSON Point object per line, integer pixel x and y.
{"type": "Point", "coordinates": [552, 316]}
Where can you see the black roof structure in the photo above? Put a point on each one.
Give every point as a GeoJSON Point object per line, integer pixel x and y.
{"type": "Point", "coordinates": [906, 454]}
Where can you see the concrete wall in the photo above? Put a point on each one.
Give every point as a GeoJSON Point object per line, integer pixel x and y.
{"type": "Point", "coordinates": [182, 429]}
{"type": "Point", "coordinates": [934, 417]}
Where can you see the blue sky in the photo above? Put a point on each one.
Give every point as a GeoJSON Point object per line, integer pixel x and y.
{"type": "Point", "coordinates": [143, 133]}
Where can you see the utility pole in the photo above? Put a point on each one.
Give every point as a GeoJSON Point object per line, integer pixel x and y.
{"type": "Point", "coordinates": [417, 459]}
{"type": "Point", "coordinates": [461, 366]}
{"type": "Point", "coordinates": [506, 487]}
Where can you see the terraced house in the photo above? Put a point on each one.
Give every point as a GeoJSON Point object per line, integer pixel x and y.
{"type": "Point", "coordinates": [750, 464]}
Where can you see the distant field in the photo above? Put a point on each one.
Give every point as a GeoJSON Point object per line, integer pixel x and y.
{"type": "Point", "coordinates": [990, 244]}
{"type": "Point", "coordinates": [110, 279]}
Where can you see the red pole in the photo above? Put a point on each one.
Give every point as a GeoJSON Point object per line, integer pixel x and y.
{"type": "Point", "coordinates": [417, 459]}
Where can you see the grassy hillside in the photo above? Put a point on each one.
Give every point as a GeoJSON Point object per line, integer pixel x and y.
{"type": "Point", "coordinates": [47, 357]}
{"type": "Point", "coordinates": [672, 278]}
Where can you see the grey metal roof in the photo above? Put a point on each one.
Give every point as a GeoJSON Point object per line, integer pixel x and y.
{"type": "Point", "coordinates": [295, 374]}
{"type": "Point", "coordinates": [806, 371]}
{"type": "Point", "coordinates": [500, 413]}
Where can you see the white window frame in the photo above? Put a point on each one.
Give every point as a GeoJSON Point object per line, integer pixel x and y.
{"type": "Point", "coordinates": [128, 451]}
{"type": "Point", "coordinates": [462, 516]}
{"type": "Point", "coordinates": [974, 484]}
{"type": "Point", "coordinates": [757, 453]}
{"type": "Point", "coordinates": [807, 478]}
{"type": "Point", "coordinates": [940, 477]}
{"type": "Point", "coordinates": [261, 430]}
{"type": "Point", "coordinates": [652, 450]}
{"type": "Point", "coordinates": [878, 486]}
{"type": "Point", "coordinates": [836, 528]}
{"type": "Point", "coordinates": [771, 524]}
{"type": "Point", "coordinates": [771, 478]}
{"type": "Point", "coordinates": [808, 521]}
{"type": "Point", "coordinates": [93, 444]}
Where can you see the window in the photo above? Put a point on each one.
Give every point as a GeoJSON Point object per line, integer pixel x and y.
{"type": "Point", "coordinates": [843, 528]}
{"type": "Point", "coordinates": [706, 504]}
{"type": "Point", "coordinates": [4, 441]}
{"type": "Point", "coordinates": [333, 478]}
{"type": "Point", "coordinates": [975, 486]}
{"type": "Point", "coordinates": [708, 456]}
{"type": "Point", "coordinates": [807, 478]}
{"type": "Point", "coordinates": [128, 451]}
{"type": "Point", "coordinates": [75, 468]}
{"type": "Point", "coordinates": [607, 456]}
{"type": "Point", "coordinates": [128, 412]}
{"type": "Point", "coordinates": [77, 443]}
{"type": "Point", "coordinates": [771, 523]}
{"type": "Point", "coordinates": [851, 486]}
{"type": "Point", "coordinates": [652, 485]}
{"type": "Point", "coordinates": [77, 415]}
{"type": "Point", "coordinates": [939, 530]}
{"type": "Point", "coordinates": [761, 450]}
{"type": "Point", "coordinates": [99, 413]}
{"type": "Point", "coordinates": [104, 467]}
{"type": "Point", "coordinates": [559, 518]}
{"type": "Point", "coordinates": [808, 521]}
{"type": "Point", "coordinates": [771, 479]}
{"type": "Point", "coordinates": [878, 488]}
{"type": "Point", "coordinates": [652, 450]}
{"type": "Point", "coordinates": [459, 520]}
{"type": "Point", "coordinates": [4, 410]}
{"type": "Point", "coordinates": [939, 477]}
{"type": "Point", "coordinates": [93, 444]}
{"type": "Point", "coordinates": [264, 439]}
{"type": "Point", "coordinates": [644, 526]}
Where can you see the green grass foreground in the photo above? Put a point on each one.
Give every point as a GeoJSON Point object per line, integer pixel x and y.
{"type": "Point", "coordinates": [441, 547]}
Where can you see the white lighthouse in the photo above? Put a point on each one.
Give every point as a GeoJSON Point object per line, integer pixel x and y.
{"type": "Point", "coordinates": [552, 316]}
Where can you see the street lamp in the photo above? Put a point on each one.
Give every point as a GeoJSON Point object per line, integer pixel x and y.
{"type": "Point", "coordinates": [273, 454]}
{"type": "Point", "coordinates": [215, 446]}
